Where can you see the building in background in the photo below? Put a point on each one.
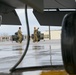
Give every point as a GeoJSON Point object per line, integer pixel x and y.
{"type": "Point", "coordinates": [54, 34]}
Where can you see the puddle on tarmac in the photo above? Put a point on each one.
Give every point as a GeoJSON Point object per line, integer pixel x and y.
{"type": "Point", "coordinates": [37, 55]}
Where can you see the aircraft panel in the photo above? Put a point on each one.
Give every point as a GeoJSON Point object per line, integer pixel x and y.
{"type": "Point", "coordinates": [10, 19]}
{"type": "Point", "coordinates": [50, 18]}
{"type": "Point", "coordinates": [13, 3]}
{"type": "Point", "coordinates": [59, 4]}
{"type": "Point", "coordinates": [35, 4]}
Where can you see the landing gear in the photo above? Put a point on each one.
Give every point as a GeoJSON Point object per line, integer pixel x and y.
{"type": "Point", "coordinates": [68, 43]}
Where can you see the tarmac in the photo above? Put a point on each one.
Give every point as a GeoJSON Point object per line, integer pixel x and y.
{"type": "Point", "coordinates": [43, 53]}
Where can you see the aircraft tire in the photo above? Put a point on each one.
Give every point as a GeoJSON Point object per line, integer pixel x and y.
{"type": "Point", "coordinates": [68, 43]}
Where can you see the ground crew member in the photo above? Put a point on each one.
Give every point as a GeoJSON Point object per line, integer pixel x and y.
{"type": "Point", "coordinates": [35, 35]}
{"type": "Point", "coordinates": [20, 35]}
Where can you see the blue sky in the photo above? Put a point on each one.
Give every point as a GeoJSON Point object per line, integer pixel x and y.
{"type": "Point", "coordinates": [8, 29]}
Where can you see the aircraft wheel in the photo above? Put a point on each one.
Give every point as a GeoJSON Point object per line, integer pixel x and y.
{"type": "Point", "coordinates": [68, 43]}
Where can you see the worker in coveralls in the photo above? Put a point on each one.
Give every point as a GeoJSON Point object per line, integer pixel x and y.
{"type": "Point", "coordinates": [35, 39]}
{"type": "Point", "coordinates": [20, 35]}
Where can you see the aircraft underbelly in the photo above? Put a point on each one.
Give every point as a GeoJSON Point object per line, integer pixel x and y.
{"type": "Point", "coordinates": [13, 3]}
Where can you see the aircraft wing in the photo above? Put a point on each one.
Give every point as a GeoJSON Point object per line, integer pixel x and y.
{"type": "Point", "coordinates": [7, 6]}
{"type": "Point", "coordinates": [53, 12]}
{"type": "Point", "coordinates": [60, 4]}
{"type": "Point", "coordinates": [41, 4]}
{"type": "Point", "coordinates": [18, 4]}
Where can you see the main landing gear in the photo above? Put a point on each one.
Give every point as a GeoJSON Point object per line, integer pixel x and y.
{"type": "Point", "coordinates": [68, 43]}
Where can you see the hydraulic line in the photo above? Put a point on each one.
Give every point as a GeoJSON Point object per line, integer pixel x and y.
{"type": "Point", "coordinates": [27, 45]}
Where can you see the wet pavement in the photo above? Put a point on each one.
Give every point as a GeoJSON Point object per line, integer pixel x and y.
{"type": "Point", "coordinates": [41, 53]}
